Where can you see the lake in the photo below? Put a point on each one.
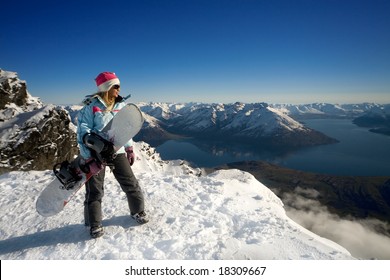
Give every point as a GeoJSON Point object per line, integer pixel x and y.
{"type": "Point", "coordinates": [359, 152]}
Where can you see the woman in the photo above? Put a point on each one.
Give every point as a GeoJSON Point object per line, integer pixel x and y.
{"type": "Point", "coordinates": [98, 110]}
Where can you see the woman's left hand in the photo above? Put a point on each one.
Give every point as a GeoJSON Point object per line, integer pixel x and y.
{"type": "Point", "coordinates": [130, 155]}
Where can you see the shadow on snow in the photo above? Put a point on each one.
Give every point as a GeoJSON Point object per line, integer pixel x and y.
{"type": "Point", "coordinates": [64, 235]}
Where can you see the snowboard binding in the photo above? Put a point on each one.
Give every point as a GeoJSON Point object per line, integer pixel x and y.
{"type": "Point", "coordinates": [67, 174]}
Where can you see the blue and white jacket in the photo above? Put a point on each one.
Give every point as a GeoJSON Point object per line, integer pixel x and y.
{"type": "Point", "coordinates": [93, 117]}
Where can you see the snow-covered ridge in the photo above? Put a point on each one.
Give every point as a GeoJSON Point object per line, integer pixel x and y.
{"type": "Point", "coordinates": [225, 215]}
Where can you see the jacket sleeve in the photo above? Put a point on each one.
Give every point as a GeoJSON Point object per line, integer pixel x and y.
{"type": "Point", "coordinates": [85, 125]}
{"type": "Point", "coordinates": [129, 143]}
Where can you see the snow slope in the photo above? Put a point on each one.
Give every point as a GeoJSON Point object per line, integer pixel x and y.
{"type": "Point", "coordinates": [225, 215]}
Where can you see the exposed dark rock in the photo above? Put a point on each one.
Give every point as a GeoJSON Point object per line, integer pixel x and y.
{"type": "Point", "coordinates": [32, 136]}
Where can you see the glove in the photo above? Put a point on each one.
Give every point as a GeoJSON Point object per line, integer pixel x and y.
{"type": "Point", "coordinates": [130, 155]}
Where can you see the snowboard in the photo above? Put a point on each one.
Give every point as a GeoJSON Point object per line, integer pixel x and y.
{"type": "Point", "coordinates": [56, 195]}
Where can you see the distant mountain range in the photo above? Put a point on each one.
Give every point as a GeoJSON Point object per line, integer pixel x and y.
{"type": "Point", "coordinates": [239, 122]}
{"type": "Point", "coordinates": [371, 115]}
{"type": "Point", "coordinates": [377, 118]}
{"type": "Point", "coordinates": [255, 123]}
{"type": "Point", "coordinates": [326, 110]}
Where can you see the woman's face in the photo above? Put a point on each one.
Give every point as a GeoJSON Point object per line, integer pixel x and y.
{"type": "Point", "coordinates": [114, 91]}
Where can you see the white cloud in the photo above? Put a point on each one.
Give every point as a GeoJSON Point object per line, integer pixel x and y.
{"type": "Point", "coordinates": [358, 236]}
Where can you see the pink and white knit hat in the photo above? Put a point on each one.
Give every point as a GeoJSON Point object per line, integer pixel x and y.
{"type": "Point", "coordinates": [106, 80]}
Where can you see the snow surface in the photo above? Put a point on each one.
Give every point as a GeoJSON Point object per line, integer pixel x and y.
{"type": "Point", "coordinates": [225, 215]}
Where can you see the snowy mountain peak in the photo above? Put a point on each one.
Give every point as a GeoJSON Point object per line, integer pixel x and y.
{"type": "Point", "coordinates": [7, 75]}
{"type": "Point", "coordinates": [15, 98]}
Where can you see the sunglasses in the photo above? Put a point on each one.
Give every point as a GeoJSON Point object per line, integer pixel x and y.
{"type": "Point", "coordinates": [116, 86]}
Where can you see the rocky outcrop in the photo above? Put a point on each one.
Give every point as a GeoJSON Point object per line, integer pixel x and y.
{"type": "Point", "coordinates": [33, 136]}
{"type": "Point", "coordinates": [14, 97]}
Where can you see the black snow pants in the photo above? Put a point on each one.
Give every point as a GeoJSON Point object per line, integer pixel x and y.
{"type": "Point", "coordinates": [95, 191]}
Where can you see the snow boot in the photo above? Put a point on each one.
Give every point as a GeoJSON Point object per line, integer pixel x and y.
{"type": "Point", "coordinates": [96, 231]}
{"type": "Point", "coordinates": [140, 217]}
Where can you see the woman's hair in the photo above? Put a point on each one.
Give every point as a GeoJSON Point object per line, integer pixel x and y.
{"type": "Point", "coordinates": [109, 101]}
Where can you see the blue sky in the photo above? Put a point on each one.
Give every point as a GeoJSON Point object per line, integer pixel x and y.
{"type": "Point", "coordinates": [204, 51]}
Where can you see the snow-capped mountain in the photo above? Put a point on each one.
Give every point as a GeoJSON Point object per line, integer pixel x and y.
{"type": "Point", "coordinates": [325, 109]}
{"type": "Point", "coordinates": [32, 135]}
{"type": "Point", "coordinates": [225, 215]}
{"type": "Point", "coordinates": [254, 123]}
{"type": "Point", "coordinates": [378, 118]}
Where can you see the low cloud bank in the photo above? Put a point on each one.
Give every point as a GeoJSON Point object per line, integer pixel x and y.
{"type": "Point", "coordinates": [361, 237]}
